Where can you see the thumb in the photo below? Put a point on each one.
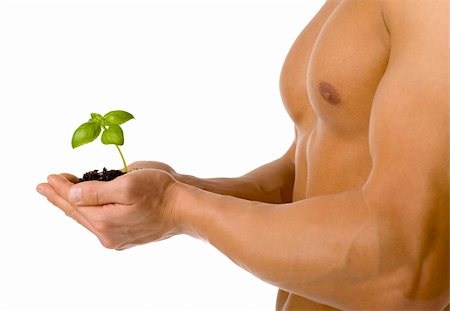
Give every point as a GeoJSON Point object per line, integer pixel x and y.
{"type": "Point", "coordinates": [93, 193]}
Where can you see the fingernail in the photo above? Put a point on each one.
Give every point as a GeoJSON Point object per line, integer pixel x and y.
{"type": "Point", "coordinates": [75, 194]}
{"type": "Point", "coordinates": [41, 190]}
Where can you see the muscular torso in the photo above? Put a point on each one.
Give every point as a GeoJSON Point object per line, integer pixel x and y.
{"type": "Point", "coordinates": [327, 85]}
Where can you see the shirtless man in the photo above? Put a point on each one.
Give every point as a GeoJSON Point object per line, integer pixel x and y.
{"type": "Point", "coordinates": [356, 214]}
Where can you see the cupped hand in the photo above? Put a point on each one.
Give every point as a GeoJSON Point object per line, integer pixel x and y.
{"type": "Point", "coordinates": [135, 208]}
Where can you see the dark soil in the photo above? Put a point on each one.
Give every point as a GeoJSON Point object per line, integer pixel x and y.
{"type": "Point", "coordinates": [104, 175]}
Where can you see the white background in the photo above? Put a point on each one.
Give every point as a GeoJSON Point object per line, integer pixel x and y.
{"type": "Point", "coordinates": [201, 78]}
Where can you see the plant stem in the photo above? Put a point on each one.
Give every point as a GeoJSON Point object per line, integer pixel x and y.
{"type": "Point", "coordinates": [123, 159]}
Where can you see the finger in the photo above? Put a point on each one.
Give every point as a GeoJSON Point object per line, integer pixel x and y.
{"type": "Point", "coordinates": [72, 178]}
{"type": "Point", "coordinates": [93, 214]}
{"type": "Point", "coordinates": [66, 207]}
{"type": "Point", "coordinates": [60, 185]}
{"type": "Point", "coordinates": [41, 189]}
{"type": "Point", "coordinates": [91, 193]}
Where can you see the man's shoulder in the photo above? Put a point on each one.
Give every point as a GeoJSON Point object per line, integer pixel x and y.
{"type": "Point", "coordinates": [418, 30]}
{"type": "Point", "coordinates": [415, 16]}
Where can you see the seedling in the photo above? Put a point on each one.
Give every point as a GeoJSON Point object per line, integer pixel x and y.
{"type": "Point", "coordinates": [109, 124]}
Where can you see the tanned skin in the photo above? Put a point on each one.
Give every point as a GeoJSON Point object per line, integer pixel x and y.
{"type": "Point", "coordinates": [355, 215]}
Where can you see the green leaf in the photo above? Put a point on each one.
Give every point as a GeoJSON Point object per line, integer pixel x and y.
{"type": "Point", "coordinates": [113, 135]}
{"type": "Point", "coordinates": [118, 117]}
{"type": "Point", "coordinates": [86, 133]}
{"type": "Point", "coordinates": [96, 118]}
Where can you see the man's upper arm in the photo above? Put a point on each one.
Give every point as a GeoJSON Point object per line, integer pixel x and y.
{"type": "Point", "coordinates": [407, 191]}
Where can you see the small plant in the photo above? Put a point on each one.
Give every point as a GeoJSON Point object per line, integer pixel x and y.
{"type": "Point", "coordinates": [112, 132]}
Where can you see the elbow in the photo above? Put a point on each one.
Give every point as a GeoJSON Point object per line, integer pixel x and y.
{"type": "Point", "coordinates": [411, 278]}
{"type": "Point", "coordinates": [427, 286]}
{"type": "Point", "coordinates": [409, 271]}
{"type": "Point", "coordinates": [418, 281]}
{"type": "Point", "coordinates": [396, 290]}
{"type": "Point", "coordinates": [412, 246]}
{"type": "Point", "coordinates": [406, 290]}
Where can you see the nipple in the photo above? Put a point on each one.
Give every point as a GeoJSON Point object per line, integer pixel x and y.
{"type": "Point", "coordinates": [329, 93]}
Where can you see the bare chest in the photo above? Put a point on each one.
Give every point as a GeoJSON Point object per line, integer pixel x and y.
{"type": "Point", "coordinates": [327, 85]}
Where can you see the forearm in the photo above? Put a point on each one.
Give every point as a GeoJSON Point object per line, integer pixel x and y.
{"type": "Point", "coordinates": [272, 183]}
{"type": "Point", "coordinates": [324, 248]}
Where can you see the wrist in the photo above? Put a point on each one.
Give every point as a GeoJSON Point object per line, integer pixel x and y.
{"type": "Point", "coordinates": [201, 214]}
{"type": "Point", "coordinates": [184, 206]}
{"type": "Point", "coordinates": [197, 211]}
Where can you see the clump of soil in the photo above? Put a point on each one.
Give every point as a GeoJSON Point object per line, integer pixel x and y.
{"type": "Point", "coordinates": [104, 175]}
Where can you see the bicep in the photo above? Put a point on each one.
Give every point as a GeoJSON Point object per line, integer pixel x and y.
{"type": "Point", "coordinates": [409, 121]}
{"type": "Point", "coordinates": [407, 191]}
{"type": "Point", "coordinates": [408, 133]}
